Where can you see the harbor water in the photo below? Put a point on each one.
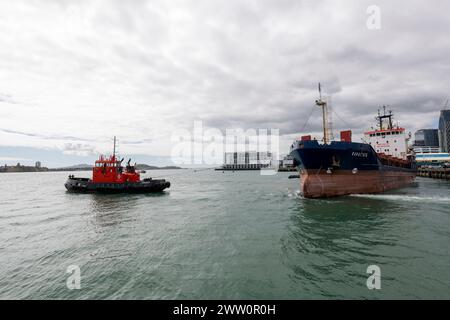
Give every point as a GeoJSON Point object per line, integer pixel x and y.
{"type": "Point", "coordinates": [215, 235]}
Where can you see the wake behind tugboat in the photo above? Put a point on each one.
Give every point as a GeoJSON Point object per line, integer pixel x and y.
{"type": "Point", "coordinates": [109, 176]}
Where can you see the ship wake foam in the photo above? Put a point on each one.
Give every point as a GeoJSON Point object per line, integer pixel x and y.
{"type": "Point", "coordinates": [400, 197]}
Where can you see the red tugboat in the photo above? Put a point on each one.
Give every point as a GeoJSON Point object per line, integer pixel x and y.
{"type": "Point", "coordinates": [109, 176]}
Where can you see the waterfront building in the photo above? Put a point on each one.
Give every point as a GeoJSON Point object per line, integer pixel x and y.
{"type": "Point", "coordinates": [249, 160]}
{"type": "Point", "coordinates": [426, 149]}
{"type": "Point", "coordinates": [439, 158]}
{"type": "Point", "coordinates": [426, 138]}
{"type": "Point", "coordinates": [287, 162]}
{"type": "Point", "coordinates": [444, 131]}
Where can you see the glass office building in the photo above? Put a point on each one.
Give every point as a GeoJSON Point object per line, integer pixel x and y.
{"type": "Point", "coordinates": [444, 131]}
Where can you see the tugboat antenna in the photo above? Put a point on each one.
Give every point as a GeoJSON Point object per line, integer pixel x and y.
{"type": "Point", "coordinates": [114, 149]}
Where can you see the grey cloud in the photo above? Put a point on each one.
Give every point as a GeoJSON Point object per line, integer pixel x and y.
{"type": "Point", "coordinates": [7, 98]}
{"type": "Point", "coordinates": [79, 149]}
{"type": "Point", "coordinates": [42, 136]}
{"type": "Point", "coordinates": [71, 146]}
{"type": "Point", "coordinates": [248, 64]}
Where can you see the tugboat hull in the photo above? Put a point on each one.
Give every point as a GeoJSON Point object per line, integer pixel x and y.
{"type": "Point", "coordinates": [84, 185]}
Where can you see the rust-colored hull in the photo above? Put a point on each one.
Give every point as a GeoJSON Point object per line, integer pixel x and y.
{"type": "Point", "coordinates": [343, 182]}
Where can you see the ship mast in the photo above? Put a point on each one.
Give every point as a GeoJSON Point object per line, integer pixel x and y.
{"type": "Point", "coordinates": [380, 118]}
{"type": "Point", "coordinates": [322, 103]}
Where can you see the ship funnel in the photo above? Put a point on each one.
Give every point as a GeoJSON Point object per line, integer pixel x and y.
{"type": "Point", "coordinates": [346, 136]}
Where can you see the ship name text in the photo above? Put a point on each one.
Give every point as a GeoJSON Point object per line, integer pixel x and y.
{"type": "Point", "coordinates": [360, 154]}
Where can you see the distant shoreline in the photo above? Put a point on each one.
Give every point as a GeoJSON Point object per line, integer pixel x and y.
{"type": "Point", "coordinates": [16, 169]}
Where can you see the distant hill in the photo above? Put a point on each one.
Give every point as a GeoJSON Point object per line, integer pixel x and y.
{"type": "Point", "coordinates": [77, 167]}
{"type": "Point", "coordinates": [141, 166]}
{"type": "Point", "coordinates": [80, 166]}
{"type": "Point", "coordinates": [87, 167]}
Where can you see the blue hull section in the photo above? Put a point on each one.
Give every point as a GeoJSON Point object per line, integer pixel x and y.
{"type": "Point", "coordinates": [312, 156]}
{"type": "Point", "coordinates": [342, 168]}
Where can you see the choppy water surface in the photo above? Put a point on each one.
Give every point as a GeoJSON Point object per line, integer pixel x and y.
{"type": "Point", "coordinates": [217, 235]}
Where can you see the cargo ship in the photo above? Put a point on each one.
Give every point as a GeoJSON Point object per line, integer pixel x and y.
{"type": "Point", "coordinates": [381, 162]}
{"type": "Point", "coordinates": [109, 176]}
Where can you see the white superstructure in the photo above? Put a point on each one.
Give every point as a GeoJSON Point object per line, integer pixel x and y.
{"type": "Point", "coordinates": [388, 139]}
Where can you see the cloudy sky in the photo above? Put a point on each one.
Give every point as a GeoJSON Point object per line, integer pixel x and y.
{"type": "Point", "coordinates": [75, 73]}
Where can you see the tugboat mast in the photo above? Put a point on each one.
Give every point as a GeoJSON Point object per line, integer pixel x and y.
{"type": "Point", "coordinates": [322, 103]}
{"type": "Point", "coordinates": [114, 149]}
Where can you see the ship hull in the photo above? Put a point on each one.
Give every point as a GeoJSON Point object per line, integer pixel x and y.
{"type": "Point", "coordinates": [339, 183]}
{"type": "Point", "coordinates": [82, 185]}
{"type": "Point", "coordinates": [344, 168]}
